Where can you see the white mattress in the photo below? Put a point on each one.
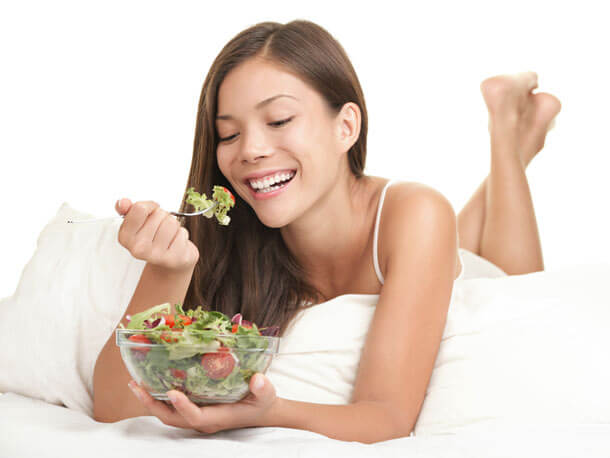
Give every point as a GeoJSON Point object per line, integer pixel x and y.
{"type": "Point", "coordinates": [35, 429]}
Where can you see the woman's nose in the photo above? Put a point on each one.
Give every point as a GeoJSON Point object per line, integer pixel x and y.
{"type": "Point", "coordinates": [254, 147]}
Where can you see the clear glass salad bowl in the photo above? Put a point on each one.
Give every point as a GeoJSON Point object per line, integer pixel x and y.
{"type": "Point", "coordinates": [208, 367]}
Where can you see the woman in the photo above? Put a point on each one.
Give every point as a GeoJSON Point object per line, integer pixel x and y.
{"type": "Point", "coordinates": [282, 122]}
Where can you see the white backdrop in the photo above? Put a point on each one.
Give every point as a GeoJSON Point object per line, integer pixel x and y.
{"type": "Point", "coordinates": [98, 102]}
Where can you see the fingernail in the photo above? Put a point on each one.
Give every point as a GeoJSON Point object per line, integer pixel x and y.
{"type": "Point", "coordinates": [172, 397]}
{"type": "Point", "coordinates": [135, 391]}
{"type": "Point", "coordinates": [118, 202]}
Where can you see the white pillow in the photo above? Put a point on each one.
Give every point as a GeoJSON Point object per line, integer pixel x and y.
{"type": "Point", "coordinates": [523, 350]}
{"type": "Point", "coordinates": [70, 297]}
{"type": "Point", "coordinates": [476, 266]}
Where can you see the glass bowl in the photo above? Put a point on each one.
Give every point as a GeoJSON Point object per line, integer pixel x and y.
{"type": "Point", "coordinates": [209, 368]}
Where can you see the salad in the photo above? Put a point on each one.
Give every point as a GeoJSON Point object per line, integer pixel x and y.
{"type": "Point", "coordinates": [221, 195]}
{"type": "Point", "coordinates": [205, 354]}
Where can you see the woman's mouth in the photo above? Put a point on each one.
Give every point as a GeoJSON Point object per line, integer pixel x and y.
{"type": "Point", "coordinates": [271, 183]}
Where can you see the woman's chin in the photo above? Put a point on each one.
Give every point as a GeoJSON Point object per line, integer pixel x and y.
{"type": "Point", "coordinates": [274, 221]}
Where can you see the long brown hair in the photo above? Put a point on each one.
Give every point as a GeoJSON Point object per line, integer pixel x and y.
{"type": "Point", "coordinates": [246, 267]}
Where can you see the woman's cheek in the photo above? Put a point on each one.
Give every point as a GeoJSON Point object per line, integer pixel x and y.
{"type": "Point", "coordinates": [297, 142]}
{"type": "Point", "coordinates": [223, 165]}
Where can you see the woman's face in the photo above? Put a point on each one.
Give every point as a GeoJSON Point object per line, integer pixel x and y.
{"type": "Point", "coordinates": [278, 141]}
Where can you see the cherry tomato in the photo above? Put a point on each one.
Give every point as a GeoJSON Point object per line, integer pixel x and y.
{"type": "Point", "coordinates": [185, 320]}
{"type": "Point", "coordinates": [229, 193]}
{"type": "Point", "coordinates": [218, 365]}
{"type": "Point", "coordinates": [177, 373]}
{"type": "Point", "coordinates": [169, 320]}
{"type": "Point", "coordinates": [140, 338]}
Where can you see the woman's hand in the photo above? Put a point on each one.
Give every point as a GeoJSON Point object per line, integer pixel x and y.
{"type": "Point", "coordinates": [155, 236]}
{"type": "Point", "coordinates": [254, 410]}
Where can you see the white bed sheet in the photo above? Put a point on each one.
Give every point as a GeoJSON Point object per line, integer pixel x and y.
{"type": "Point", "coordinates": [35, 429]}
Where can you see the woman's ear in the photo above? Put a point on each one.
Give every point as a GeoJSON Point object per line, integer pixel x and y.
{"type": "Point", "coordinates": [348, 126]}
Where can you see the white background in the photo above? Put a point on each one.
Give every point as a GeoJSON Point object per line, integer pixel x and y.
{"type": "Point", "coordinates": [98, 102]}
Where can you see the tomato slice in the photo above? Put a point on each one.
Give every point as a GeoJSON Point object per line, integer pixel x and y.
{"type": "Point", "coordinates": [169, 320]}
{"type": "Point", "coordinates": [185, 320]}
{"type": "Point", "coordinates": [234, 328]}
{"type": "Point", "coordinates": [218, 365]}
{"type": "Point", "coordinates": [177, 373]}
{"type": "Point", "coordinates": [140, 338]}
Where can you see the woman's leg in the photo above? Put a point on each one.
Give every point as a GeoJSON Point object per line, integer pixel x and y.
{"type": "Point", "coordinates": [471, 218]}
{"type": "Point", "coordinates": [498, 222]}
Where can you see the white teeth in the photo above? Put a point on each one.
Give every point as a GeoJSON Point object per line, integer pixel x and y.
{"type": "Point", "coordinates": [267, 182]}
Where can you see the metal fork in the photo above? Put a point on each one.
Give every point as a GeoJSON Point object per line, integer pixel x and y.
{"type": "Point", "coordinates": [95, 220]}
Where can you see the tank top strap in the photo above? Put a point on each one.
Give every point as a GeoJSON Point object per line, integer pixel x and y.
{"type": "Point", "coordinates": [376, 232]}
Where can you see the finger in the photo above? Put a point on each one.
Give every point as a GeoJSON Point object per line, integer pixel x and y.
{"type": "Point", "coordinates": [166, 232]}
{"type": "Point", "coordinates": [137, 215]}
{"type": "Point", "coordinates": [209, 419]}
{"type": "Point", "coordinates": [122, 206]}
{"type": "Point", "coordinates": [180, 238]}
{"type": "Point", "coordinates": [261, 387]}
{"type": "Point", "coordinates": [158, 408]}
{"type": "Point", "coordinates": [147, 232]}
{"type": "Point", "coordinates": [189, 411]}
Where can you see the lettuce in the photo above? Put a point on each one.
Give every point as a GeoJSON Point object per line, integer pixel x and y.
{"type": "Point", "coordinates": [137, 320]}
{"type": "Point", "coordinates": [221, 196]}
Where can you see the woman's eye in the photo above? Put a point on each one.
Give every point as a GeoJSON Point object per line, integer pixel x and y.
{"type": "Point", "coordinates": [226, 138]}
{"type": "Point", "coordinates": [274, 124]}
{"type": "Point", "coordinates": [281, 123]}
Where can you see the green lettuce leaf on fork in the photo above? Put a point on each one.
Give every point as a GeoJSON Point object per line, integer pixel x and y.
{"type": "Point", "coordinates": [221, 195]}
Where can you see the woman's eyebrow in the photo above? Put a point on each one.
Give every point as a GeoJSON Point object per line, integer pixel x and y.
{"type": "Point", "coordinates": [260, 105]}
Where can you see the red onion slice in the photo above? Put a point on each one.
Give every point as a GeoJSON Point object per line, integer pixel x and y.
{"type": "Point", "coordinates": [154, 324]}
{"type": "Point", "coordinates": [237, 319]}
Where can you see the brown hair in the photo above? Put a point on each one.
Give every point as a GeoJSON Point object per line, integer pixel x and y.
{"type": "Point", "coordinates": [245, 267]}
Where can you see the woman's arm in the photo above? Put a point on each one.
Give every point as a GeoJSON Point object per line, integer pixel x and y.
{"type": "Point", "coordinates": [363, 421]}
{"type": "Point", "coordinates": [418, 247]}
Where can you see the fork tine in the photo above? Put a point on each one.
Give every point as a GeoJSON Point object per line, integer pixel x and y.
{"type": "Point", "coordinates": [196, 213]}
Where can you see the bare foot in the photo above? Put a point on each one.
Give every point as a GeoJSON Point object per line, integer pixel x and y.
{"type": "Point", "coordinates": [514, 109]}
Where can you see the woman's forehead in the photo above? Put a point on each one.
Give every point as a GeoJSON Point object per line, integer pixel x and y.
{"type": "Point", "coordinates": [253, 85]}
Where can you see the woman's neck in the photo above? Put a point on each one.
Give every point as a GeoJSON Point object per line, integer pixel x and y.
{"type": "Point", "coordinates": [329, 238]}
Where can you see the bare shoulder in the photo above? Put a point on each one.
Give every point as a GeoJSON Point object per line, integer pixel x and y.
{"type": "Point", "coordinates": [412, 213]}
{"type": "Point", "coordinates": [414, 192]}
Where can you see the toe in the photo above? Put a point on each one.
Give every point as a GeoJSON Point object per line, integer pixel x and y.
{"type": "Point", "coordinates": [529, 79]}
{"type": "Point", "coordinates": [547, 108]}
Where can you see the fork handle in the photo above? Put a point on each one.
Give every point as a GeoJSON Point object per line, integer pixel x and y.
{"type": "Point", "coordinates": [95, 220]}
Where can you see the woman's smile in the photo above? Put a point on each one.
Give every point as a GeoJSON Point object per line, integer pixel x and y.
{"type": "Point", "coordinates": [271, 185]}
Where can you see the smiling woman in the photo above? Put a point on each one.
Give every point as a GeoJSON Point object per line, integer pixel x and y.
{"type": "Point", "coordinates": [283, 123]}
